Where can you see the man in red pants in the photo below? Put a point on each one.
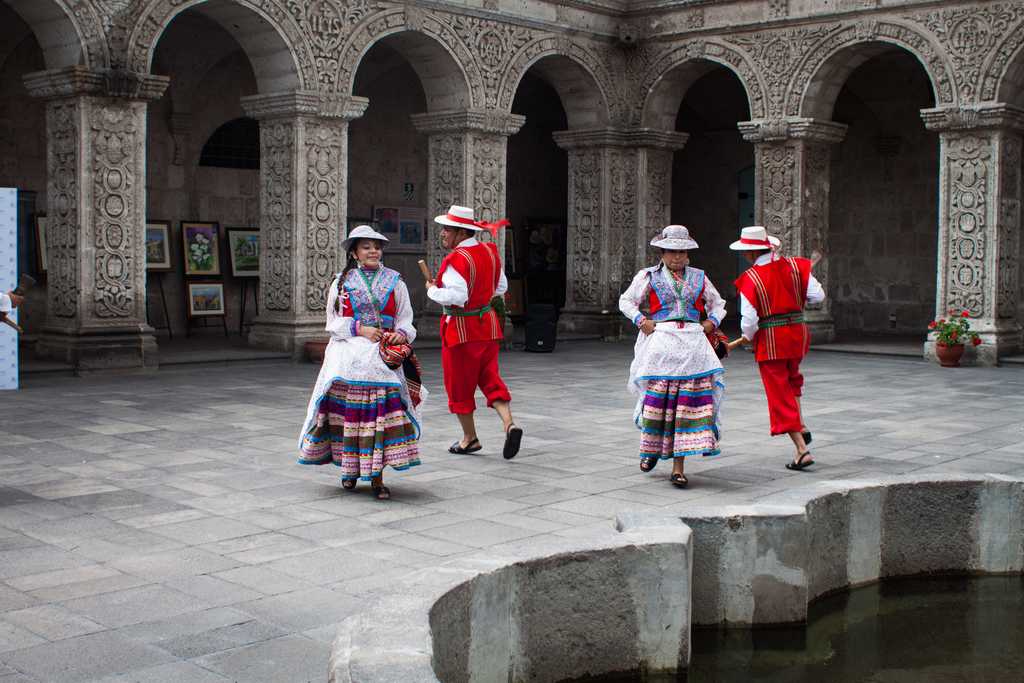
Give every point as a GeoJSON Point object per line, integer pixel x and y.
{"type": "Point", "coordinates": [469, 277]}
{"type": "Point", "coordinates": [773, 293]}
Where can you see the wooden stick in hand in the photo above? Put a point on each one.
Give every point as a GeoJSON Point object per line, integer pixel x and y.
{"type": "Point", "coordinates": [426, 271]}
{"type": "Point", "coordinates": [7, 321]}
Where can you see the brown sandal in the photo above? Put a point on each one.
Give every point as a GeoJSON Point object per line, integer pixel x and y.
{"type": "Point", "coordinates": [382, 492]}
{"type": "Point", "coordinates": [679, 479]}
{"type": "Point", "coordinates": [348, 484]}
{"type": "Point", "coordinates": [648, 464]}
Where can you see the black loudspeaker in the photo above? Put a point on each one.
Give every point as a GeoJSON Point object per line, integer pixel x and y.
{"type": "Point", "coordinates": [541, 326]}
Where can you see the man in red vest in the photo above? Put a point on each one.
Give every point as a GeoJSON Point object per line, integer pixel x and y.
{"type": "Point", "coordinates": [469, 277]}
{"type": "Point", "coordinates": [773, 293]}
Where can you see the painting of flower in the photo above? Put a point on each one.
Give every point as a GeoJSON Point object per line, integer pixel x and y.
{"type": "Point", "coordinates": [201, 248]}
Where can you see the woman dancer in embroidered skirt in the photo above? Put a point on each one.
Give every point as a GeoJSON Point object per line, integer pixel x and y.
{"type": "Point", "coordinates": [675, 373]}
{"type": "Point", "coordinates": [363, 415]}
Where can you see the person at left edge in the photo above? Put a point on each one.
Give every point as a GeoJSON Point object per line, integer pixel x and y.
{"type": "Point", "coordinates": [363, 415]}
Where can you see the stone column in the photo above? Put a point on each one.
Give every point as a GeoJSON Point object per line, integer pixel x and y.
{"type": "Point", "coordinates": [620, 185]}
{"type": "Point", "coordinates": [467, 152]}
{"type": "Point", "coordinates": [792, 158]}
{"type": "Point", "coordinates": [467, 166]}
{"type": "Point", "coordinates": [96, 208]}
{"type": "Point", "coordinates": [980, 222]}
{"type": "Point", "coordinates": [303, 200]}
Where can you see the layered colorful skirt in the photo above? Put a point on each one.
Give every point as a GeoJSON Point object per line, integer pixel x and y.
{"type": "Point", "coordinates": [362, 429]}
{"type": "Point", "coordinates": [678, 417]}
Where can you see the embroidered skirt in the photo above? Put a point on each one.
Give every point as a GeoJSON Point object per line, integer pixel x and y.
{"type": "Point", "coordinates": [679, 417]}
{"type": "Point", "coordinates": [362, 429]}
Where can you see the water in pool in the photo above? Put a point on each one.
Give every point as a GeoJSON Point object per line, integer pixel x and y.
{"type": "Point", "coordinates": [935, 630]}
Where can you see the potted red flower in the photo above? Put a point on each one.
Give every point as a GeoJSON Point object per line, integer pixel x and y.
{"type": "Point", "coordinates": [950, 337]}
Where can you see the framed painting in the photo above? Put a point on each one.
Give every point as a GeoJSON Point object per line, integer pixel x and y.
{"type": "Point", "coordinates": [412, 232]}
{"type": "Point", "coordinates": [205, 299]}
{"type": "Point", "coordinates": [385, 219]}
{"type": "Point", "coordinates": [158, 246]}
{"type": "Point", "coordinates": [41, 243]}
{"type": "Point", "coordinates": [244, 248]}
{"type": "Point", "coordinates": [201, 247]}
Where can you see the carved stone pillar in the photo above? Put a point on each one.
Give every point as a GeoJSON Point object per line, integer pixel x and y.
{"type": "Point", "coordinates": [980, 197]}
{"type": "Point", "coordinates": [96, 208]}
{"type": "Point", "coordinates": [303, 199]}
{"type": "Point", "coordinates": [620, 184]}
{"type": "Point", "coordinates": [467, 166]}
{"type": "Point", "coordinates": [792, 158]}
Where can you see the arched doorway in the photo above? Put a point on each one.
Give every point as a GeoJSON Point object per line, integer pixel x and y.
{"type": "Point", "coordinates": [882, 242]}
{"type": "Point", "coordinates": [203, 175]}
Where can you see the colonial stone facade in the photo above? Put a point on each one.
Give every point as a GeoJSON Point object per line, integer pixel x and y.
{"type": "Point", "coordinates": [834, 168]}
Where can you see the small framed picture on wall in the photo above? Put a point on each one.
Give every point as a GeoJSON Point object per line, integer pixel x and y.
{"type": "Point", "coordinates": [201, 247]}
{"type": "Point", "coordinates": [244, 248]}
{"type": "Point", "coordinates": [205, 299]}
{"type": "Point", "coordinates": [412, 233]}
{"type": "Point", "coordinates": [385, 219]}
{"type": "Point", "coordinates": [158, 246]}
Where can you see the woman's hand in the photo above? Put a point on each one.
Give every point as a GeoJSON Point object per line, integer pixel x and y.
{"type": "Point", "coordinates": [647, 327]}
{"type": "Point", "coordinates": [372, 333]}
{"type": "Point", "coordinates": [709, 327]}
{"type": "Point", "coordinates": [394, 338]}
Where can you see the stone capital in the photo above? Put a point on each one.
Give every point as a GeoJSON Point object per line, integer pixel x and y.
{"type": "Point", "coordinates": [794, 128]}
{"type": "Point", "coordinates": [465, 120]}
{"type": "Point", "coordinates": [617, 137]}
{"type": "Point", "coordinates": [997, 115]}
{"type": "Point", "coordinates": [77, 80]}
{"type": "Point", "coordinates": [282, 104]}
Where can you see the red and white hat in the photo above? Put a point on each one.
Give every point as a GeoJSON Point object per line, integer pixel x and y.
{"type": "Point", "coordinates": [754, 237]}
{"type": "Point", "coordinates": [463, 217]}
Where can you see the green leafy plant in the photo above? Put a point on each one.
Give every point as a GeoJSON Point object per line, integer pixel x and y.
{"type": "Point", "coordinates": [955, 330]}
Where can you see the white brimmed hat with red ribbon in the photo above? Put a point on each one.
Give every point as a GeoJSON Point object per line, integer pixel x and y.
{"type": "Point", "coordinates": [754, 237]}
{"type": "Point", "coordinates": [463, 217]}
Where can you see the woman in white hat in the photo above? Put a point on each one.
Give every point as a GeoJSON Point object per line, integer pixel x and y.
{"type": "Point", "coordinates": [773, 293]}
{"type": "Point", "coordinates": [363, 413]}
{"type": "Point", "coordinates": [676, 375]}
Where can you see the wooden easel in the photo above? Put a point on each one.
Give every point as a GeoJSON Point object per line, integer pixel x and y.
{"type": "Point", "coordinates": [242, 299]}
{"type": "Point", "coordinates": [205, 319]}
{"type": "Point", "coordinates": [159, 277]}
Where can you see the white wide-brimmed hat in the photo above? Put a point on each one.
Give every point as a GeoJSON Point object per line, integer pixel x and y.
{"type": "Point", "coordinates": [459, 217]}
{"type": "Point", "coordinates": [674, 238]}
{"type": "Point", "coordinates": [362, 232]}
{"type": "Point", "coordinates": [754, 237]}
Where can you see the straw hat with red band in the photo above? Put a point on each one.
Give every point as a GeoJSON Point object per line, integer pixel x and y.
{"type": "Point", "coordinates": [462, 217]}
{"type": "Point", "coordinates": [753, 238]}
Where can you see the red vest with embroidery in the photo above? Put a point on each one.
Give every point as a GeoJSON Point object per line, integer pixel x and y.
{"type": "Point", "coordinates": [778, 291]}
{"type": "Point", "coordinates": [480, 267]}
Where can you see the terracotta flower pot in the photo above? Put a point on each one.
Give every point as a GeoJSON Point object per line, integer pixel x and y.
{"type": "Point", "coordinates": [949, 354]}
{"type": "Point", "coordinates": [315, 350]}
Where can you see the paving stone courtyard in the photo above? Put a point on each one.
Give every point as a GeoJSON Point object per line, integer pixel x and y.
{"type": "Point", "coordinates": [157, 528]}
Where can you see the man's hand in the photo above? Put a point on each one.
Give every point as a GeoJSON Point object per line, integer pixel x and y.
{"type": "Point", "coordinates": [647, 327]}
{"type": "Point", "coordinates": [16, 299]}
{"type": "Point", "coordinates": [709, 327]}
{"type": "Point", "coordinates": [430, 283]}
{"type": "Point", "coordinates": [372, 333]}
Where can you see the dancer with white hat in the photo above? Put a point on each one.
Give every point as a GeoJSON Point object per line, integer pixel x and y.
{"type": "Point", "coordinates": [773, 293]}
{"type": "Point", "coordinates": [469, 277]}
{"type": "Point", "coordinates": [363, 414]}
{"type": "Point", "coordinates": [676, 374]}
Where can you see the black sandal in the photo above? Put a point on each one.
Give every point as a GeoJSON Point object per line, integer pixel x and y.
{"type": "Point", "coordinates": [382, 492]}
{"type": "Point", "coordinates": [459, 449]}
{"type": "Point", "coordinates": [513, 437]}
{"type": "Point", "coordinates": [679, 480]}
{"type": "Point", "coordinates": [648, 464]}
{"type": "Point", "coordinates": [799, 463]}
{"type": "Point", "coordinates": [348, 484]}
{"type": "Point", "coordinates": [807, 437]}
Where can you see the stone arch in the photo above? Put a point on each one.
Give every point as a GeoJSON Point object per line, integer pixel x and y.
{"type": "Point", "coordinates": [446, 69]}
{"type": "Point", "coordinates": [665, 84]}
{"type": "Point", "coordinates": [820, 75]}
{"type": "Point", "coordinates": [579, 78]}
{"type": "Point", "coordinates": [269, 36]}
{"type": "Point", "coordinates": [1003, 74]}
{"type": "Point", "coordinates": [66, 39]}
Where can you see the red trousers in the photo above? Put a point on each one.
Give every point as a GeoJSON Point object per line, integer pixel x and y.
{"type": "Point", "coordinates": [468, 366]}
{"type": "Point", "coordinates": [783, 385]}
